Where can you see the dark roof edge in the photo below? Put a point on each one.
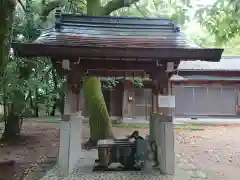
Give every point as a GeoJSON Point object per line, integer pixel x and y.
{"type": "Point", "coordinates": [110, 17]}
{"type": "Point", "coordinates": [62, 17]}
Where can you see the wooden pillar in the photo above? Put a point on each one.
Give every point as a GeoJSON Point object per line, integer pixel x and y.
{"type": "Point", "coordinates": [71, 125]}
{"type": "Point", "coordinates": [82, 101]}
{"type": "Point", "coordinates": [124, 100]}
{"type": "Point", "coordinates": [154, 103]}
{"type": "Point", "coordinates": [161, 125]}
{"type": "Point", "coordinates": [159, 81]}
{"type": "Point", "coordinates": [160, 85]}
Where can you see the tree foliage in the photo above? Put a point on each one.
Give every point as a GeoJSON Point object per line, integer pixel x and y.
{"type": "Point", "coordinates": [27, 85]}
{"type": "Point", "coordinates": [221, 19]}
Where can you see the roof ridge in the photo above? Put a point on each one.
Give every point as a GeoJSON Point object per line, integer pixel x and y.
{"type": "Point", "coordinates": [67, 18]}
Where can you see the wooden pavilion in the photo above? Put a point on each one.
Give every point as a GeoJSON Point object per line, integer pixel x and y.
{"type": "Point", "coordinates": [113, 46]}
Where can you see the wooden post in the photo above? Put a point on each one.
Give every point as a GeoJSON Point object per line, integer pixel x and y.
{"type": "Point", "coordinates": [124, 100]}
{"type": "Point", "coordinates": [162, 126]}
{"type": "Point", "coordinates": [71, 125]}
{"type": "Point", "coordinates": [154, 94]}
{"type": "Point", "coordinates": [146, 109]}
{"type": "Point", "coordinates": [159, 86]}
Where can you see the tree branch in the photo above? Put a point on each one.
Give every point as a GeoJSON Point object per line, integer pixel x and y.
{"type": "Point", "coordinates": [139, 10]}
{"type": "Point", "coordinates": [48, 7]}
{"type": "Point", "coordinates": [21, 4]}
{"type": "Point", "coordinates": [116, 4]}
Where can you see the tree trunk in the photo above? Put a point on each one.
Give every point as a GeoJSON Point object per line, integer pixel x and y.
{"type": "Point", "coordinates": [7, 8]}
{"type": "Point", "coordinates": [4, 107]}
{"type": "Point", "coordinates": [31, 100]}
{"type": "Point", "coordinates": [12, 127]}
{"type": "Point", "coordinates": [47, 104]}
{"type": "Point", "coordinates": [54, 107]}
{"type": "Point", "coordinates": [55, 82]}
{"type": "Point", "coordinates": [30, 111]}
{"type": "Point", "coordinates": [13, 124]}
{"type": "Point", "coordinates": [99, 121]}
{"type": "Point", "coordinates": [36, 109]}
{"type": "Point", "coordinates": [60, 103]}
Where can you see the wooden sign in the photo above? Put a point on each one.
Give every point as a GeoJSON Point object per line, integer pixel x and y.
{"type": "Point", "coordinates": [166, 101]}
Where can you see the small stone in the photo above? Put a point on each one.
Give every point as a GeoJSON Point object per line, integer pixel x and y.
{"type": "Point", "coordinates": [201, 175]}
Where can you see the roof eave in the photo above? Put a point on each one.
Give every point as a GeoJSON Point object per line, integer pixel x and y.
{"type": "Point", "coordinates": [166, 54]}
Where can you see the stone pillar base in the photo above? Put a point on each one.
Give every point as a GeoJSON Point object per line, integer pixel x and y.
{"type": "Point", "coordinates": [165, 143]}
{"type": "Point", "coordinates": [70, 150]}
{"type": "Point", "coordinates": [163, 134]}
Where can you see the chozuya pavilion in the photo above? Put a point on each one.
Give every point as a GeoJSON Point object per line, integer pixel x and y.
{"type": "Point", "coordinates": [115, 46]}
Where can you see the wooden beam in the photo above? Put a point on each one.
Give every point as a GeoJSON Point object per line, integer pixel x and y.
{"type": "Point", "coordinates": [165, 53]}
{"type": "Point", "coordinates": [109, 73]}
{"type": "Point", "coordinates": [118, 65]}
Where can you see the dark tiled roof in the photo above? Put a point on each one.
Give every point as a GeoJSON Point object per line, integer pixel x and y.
{"type": "Point", "coordinates": [115, 32]}
{"type": "Point", "coordinates": [116, 37]}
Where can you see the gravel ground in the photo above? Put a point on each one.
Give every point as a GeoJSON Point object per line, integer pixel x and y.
{"type": "Point", "coordinates": [212, 153]}
{"type": "Point", "coordinates": [185, 169]}
{"type": "Point", "coordinates": [83, 171]}
{"type": "Point", "coordinates": [216, 151]}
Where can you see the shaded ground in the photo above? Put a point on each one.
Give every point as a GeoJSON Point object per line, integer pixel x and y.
{"type": "Point", "coordinates": [37, 146]}
{"type": "Point", "coordinates": [214, 150]}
